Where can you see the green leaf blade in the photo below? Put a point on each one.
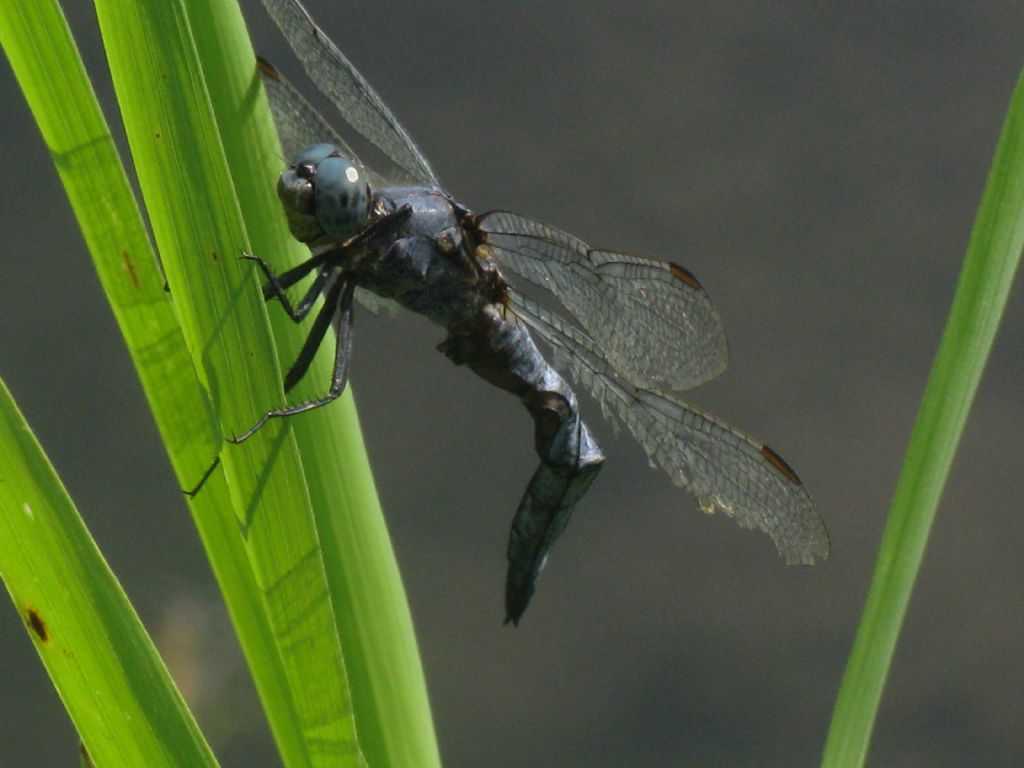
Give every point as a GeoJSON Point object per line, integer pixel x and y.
{"type": "Point", "coordinates": [55, 83]}
{"type": "Point", "coordinates": [382, 660]}
{"type": "Point", "coordinates": [993, 255]}
{"type": "Point", "coordinates": [367, 597]}
{"type": "Point", "coordinates": [191, 203]}
{"type": "Point", "coordinates": [103, 664]}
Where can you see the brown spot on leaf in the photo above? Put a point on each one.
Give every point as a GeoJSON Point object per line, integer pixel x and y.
{"type": "Point", "coordinates": [130, 266]}
{"type": "Point", "coordinates": [37, 625]}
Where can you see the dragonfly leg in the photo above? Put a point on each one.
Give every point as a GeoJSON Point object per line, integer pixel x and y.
{"type": "Point", "coordinates": [298, 314]}
{"type": "Point", "coordinates": [276, 285]}
{"type": "Point", "coordinates": [191, 492]}
{"type": "Point", "coordinates": [306, 355]}
{"type": "Point", "coordinates": [312, 343]}
{"type": "Point", "coordinates": [336, 312]}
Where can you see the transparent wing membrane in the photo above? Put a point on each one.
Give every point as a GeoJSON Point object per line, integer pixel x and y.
{"type": "Point", "coordinates": [724, 468]}
{"type": "Point", "coordinates": [651, 319]}
{"type": "Point", "coordinates": [298, 123]}
{"type": "Point", "coordinates": [356, 100]}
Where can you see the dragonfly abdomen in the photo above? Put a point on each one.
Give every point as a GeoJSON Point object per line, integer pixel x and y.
{"type": "Point", "coordinates": [501, 351]}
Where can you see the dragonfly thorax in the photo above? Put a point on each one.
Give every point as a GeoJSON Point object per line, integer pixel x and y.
{"type": "Point", "coordinates": [325, 195]}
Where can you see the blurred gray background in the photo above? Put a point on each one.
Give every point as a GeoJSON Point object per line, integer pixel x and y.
{"type": "Point", "coordinates": [818, 167]}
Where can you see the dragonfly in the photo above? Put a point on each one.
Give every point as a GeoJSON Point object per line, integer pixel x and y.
{"type": "Point", "coordinates": [631, 330]}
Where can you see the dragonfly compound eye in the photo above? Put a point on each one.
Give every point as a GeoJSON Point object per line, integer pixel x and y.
{"type": "Point", "coordinates": [342, 197]}
{"type": "Point", "coordinates": [298, 198]}
{"type": "Point", "coordinates": [313, 154]}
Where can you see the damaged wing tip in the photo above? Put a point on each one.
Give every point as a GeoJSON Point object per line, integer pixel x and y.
{"type": "Point", "coordinates": [819, 552]}
{"type": "Point", "coordinates": [825, 550]}
{"type": "Point", "coordinates": [822, 545]}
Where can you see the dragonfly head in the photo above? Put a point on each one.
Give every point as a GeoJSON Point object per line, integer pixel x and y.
{"type": "Point", "coordinates": [325, 195]}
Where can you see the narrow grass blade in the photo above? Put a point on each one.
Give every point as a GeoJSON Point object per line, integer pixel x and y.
{"type": "Point", "coordinates": [386, 678]}
{"type": "Point", "coordinates": [102, 662]}
{"type": "Point", "coordinates": [50, 72]}
{"type": "Point", "coordinates": [992, 257]}
{"type": "Point", "coordinates": [367, 596]}
{"type": "Point", "coordinates": [194, 213]}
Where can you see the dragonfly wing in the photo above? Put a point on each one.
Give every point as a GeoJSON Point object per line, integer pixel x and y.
{"type": "Point", "coordinates": [340, 81]}
{"type": "Point", "coordinates": [724, 468]}
{"type": "Point", "coordinates": [299, 124]}
{"type": "Point", "coordinates": [651, 319]}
